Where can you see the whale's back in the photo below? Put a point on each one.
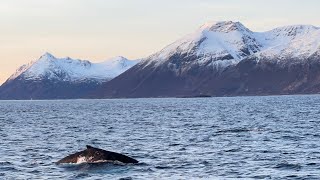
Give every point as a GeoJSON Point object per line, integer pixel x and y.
{"type": "Point", "coordinates": [96, 155]}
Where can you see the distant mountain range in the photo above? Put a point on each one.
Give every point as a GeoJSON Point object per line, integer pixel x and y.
{"type": "Point", "coordinates": [219, 59]}
{"type": "Point", "coordinates": [61, 78]}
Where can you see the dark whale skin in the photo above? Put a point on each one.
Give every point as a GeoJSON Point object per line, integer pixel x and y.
{"type": "Point", "coordinates": [96, 155]}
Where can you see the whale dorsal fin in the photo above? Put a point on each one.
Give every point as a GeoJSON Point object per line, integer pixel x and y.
{"type": "Point", "coordinates": [89, 147]}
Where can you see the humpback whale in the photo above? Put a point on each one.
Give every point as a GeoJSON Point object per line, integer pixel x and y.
{"type": "Point", "coordinates": [96, 155]}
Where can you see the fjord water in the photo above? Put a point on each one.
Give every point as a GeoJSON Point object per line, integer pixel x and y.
{"type": "Point", "coordinates": [275, 137]}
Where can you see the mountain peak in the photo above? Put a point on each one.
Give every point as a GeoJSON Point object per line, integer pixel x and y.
{"type": "Point", "coordinates": [47, 56]}
{"type": "Point", "coordinates": [119, 58]}
{"type": "Point", "coordinates": [224, 26]}
{"type": "Point", "coordinates": [120, 62]}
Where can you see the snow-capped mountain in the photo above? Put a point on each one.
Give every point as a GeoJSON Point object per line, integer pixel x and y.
{"type": "Point", "coordinates": [72, 70]}
{"type": "Point", "coordinates": [52, 78]}
{"type": "Point", "coordinates": [226, 58]}
{"type": "Point", "coordinates": [225, 43]}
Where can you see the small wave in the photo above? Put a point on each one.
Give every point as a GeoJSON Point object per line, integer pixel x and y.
{"type": "Point", "coordinates": [34, 172]}
{"type": "Point", "coordinates": [30, 150]}
{"type": "Point", "coordinates": [174, 144]}
{"type": "Point", "coordinates": [239, 130]}
{"type": "Point", "coordinates": [206, 163]}
{"type": "Point", "coordinates": [292, 176]}
{"type": "Point", "coordinates": [311, 164]}
{"type": "Point", "coordinates": [294, 138]}
{"type": "Point", "coordinates": [316, 135]}
{"type": "Point", "coordinates": [236, 130]}
{"type": "Point", "coordinates": [262, 177]}
{"type": "Point", "coordinates": [126, 178]}
{"type": "Point", "coordinates": [233, 150]}
{"type": "Point", "coordinates": [163, 167]}
{"type": "Point", "coordinates": [82, 175]}
{"type": "Point", "coordinates": [288, 166]}
{"type": "Point", "coordinates": [10, 169]}
{"type": "Point", "coordinates": [141, 164]}
{"type": "Point", "coordinates": [5, 163]}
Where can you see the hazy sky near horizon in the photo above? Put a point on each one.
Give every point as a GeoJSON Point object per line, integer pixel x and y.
{"type": "Point", "coordinates": [101, 29]}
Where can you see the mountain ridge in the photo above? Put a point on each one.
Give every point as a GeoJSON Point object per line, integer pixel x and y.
{"type": "Point", "coordinates": [211, 61]}
{"type": "Point", "coordinates": [255, 40]}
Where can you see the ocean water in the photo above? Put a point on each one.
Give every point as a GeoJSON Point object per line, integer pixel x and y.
{"type": "Point", "coordinates": [274, 137]}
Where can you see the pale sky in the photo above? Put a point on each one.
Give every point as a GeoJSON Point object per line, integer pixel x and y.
{"type": "Point", "coordinates": [100, 29]}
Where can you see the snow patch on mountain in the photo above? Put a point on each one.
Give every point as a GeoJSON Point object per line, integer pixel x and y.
{"type": "Point", "coordinates": [73, 70]}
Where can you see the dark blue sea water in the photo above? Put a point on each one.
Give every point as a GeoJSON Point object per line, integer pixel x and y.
{"type": "Point", "coordinates": [275, 137]}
